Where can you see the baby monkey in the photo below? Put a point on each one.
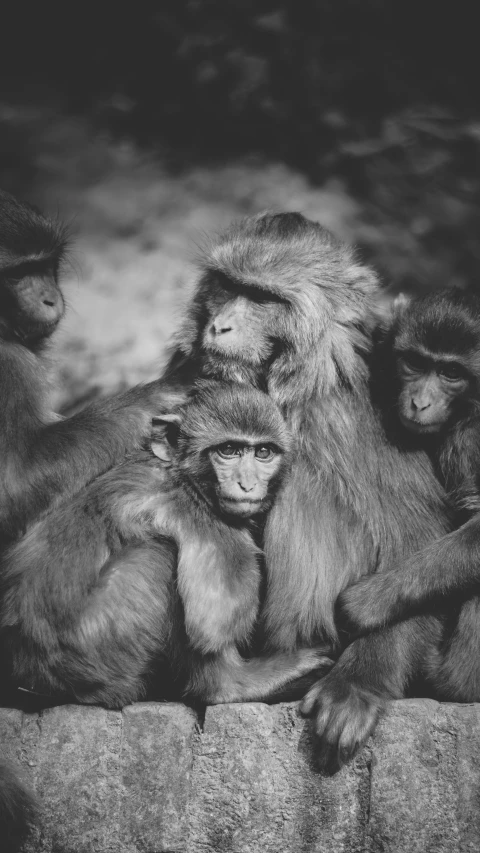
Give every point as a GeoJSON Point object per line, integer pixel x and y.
{"type": "Point", "coordinates": [156, 561]}
{"type": "Point", "coordinates": [434, 371]}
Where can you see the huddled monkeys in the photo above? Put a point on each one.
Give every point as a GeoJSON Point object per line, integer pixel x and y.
{"type": "Point", "coordinates": [156, 562]}
{"type": "Point", "coordinates": [432, 366]}
{"type": "Point", "coordinates": [283, 305]}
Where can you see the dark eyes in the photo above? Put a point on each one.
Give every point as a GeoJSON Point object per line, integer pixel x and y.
{"type": "Point", "coordinates": [264, 452]}
{"type": "Point", "coordinates": [14, 276]}
{"type": "Point", "coordinates": [31, 268]}
{"type": "Point", "coordinates": [228, 450]}
{"type": "Point", "coordinates": [452, 372]}
{"type": "Point", "coordinates": [257, 295]}
{"type": "Point", "coordinates": [415, 363]}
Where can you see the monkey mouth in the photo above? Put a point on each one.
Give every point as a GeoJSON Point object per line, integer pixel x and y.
{"type": "Point", "coordinates": [241, 506]}
{"type": "Point", "coordinates": [32, 331]}
{"type": "Point", "coordinates": [421, 427]}
{"type": "Point", "coordinates": [231, 356]}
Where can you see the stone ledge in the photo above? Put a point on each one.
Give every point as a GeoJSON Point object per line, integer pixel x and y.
{"type": "Point", "coordinates": [153, 779]}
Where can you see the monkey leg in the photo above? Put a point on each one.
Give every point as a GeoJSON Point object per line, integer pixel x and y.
{"type": "Point", "coordinates": [111, 650]}
{"type": "Point", "coordinates": [227, 677]}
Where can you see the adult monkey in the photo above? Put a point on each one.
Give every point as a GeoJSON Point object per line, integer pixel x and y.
{"type": "Point", "coordinates": [43, 457]}
{"type": "Point", "coordinates": [285, 306]}
{"type": "Point", "coordinates": [431, 379]}
{"type": "Point", "coordinates": [156, 560]}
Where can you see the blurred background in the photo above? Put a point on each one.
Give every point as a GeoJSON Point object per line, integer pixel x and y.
{"type": "Point", "coordinates": [148, 124]}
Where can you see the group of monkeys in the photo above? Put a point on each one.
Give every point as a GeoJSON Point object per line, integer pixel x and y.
{"type": "Point", "coordinates": [292, 506]}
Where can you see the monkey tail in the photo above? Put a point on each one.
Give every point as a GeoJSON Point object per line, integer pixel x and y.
{"type": "Point", "coordinates": [18, 808]}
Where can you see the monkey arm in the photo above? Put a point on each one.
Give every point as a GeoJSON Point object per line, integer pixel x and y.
{"type": "Point", "coordinates": [449, 564]}
{"type": "Point", "coordinates": [58, 458]}
{"type": "Point", "coordinates": [346, 704]}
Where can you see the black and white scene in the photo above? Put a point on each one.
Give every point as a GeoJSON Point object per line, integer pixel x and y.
{"type": "Point", "coordinates": [239, 391]}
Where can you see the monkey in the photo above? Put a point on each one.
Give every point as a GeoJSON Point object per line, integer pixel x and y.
{"type": "Point", "coordinates": [284, 306]}
{"type": "Point", "coordinates": [43, 457]}
{"type": "Point", "coordinates": [432, 358]}
{"type": "Point", "coordinates": [156, 561]}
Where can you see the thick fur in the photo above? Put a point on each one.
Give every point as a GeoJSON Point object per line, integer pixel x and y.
{"type": "Point", "coordinates": [44, 457]}
{"type": "Point", "coordinates": [139, 569]}
{"type": "Point", "coordinates": [357, 497]}
{"type": "Point", "coordinates": [446, 326]}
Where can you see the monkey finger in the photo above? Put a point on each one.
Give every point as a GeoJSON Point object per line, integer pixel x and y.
{"type": "Point", "coordinates": [308, 703]}
{"type": "Point", "coordinates": [326, 757]}
{"type": "Point", "coordinates": [354, 735]}
{"type": "Point", "coordinates": [329, 757]}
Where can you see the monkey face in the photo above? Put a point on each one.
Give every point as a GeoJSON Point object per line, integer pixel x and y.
{"type": "Point", "coordinates": [30, 300]}
{"type": "Point", "coordinates": [436, 349]}
{"type": "Point", "coordinates": [430, 391]}
{"type": "Point", "coordinates": [240, 326]}
{"type": "Point", "coordinates": [243, 477]}
{"type": "Point", "coordinates": [231, 443]}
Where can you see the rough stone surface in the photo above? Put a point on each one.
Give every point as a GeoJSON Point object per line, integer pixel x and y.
{"type": "Point", "coordinates": [157, 758]}
{"type": "Point", "coordinates": [156, 779]}
{"type": "Point", "coordinates": [255, 787]}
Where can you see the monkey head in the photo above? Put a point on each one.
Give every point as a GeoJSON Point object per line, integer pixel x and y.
{"type": "Point", "coordinates": [231, 444]}
{"type": "Point", "coordinates": [436, 347]}
{"type": "Point", "coordinates": [273, 288]}
{"type": "Point", "coordinates": [31, 250]}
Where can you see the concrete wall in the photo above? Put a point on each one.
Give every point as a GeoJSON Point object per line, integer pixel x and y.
{"type": "Point", "coordinates": [156, 779]}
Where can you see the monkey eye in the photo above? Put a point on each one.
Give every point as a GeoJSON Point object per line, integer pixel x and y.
{"type": "Point", "coordinates": [413, 361]}
{"type": "Point", "coordinates": [264, 452]}
{"type": "Point", "coordinates": [16, 274]}
{"type": "Point", "coordinates": [228, 450]}
{"type": "Point", "coordinates": [30, 268]}
{"type": "Point", "coordinates": [452, 372]}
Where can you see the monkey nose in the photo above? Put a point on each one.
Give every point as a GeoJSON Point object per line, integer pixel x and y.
{"type": "Point", "coordinates": [50, 309]}
{"type": "Point", "coordinates": [220, 328]}
{"type": "Point", "coordinates": [419, 405]}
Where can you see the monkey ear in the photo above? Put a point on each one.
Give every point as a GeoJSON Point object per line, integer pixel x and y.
{"type": "Point", "coordinates": [164, 434]}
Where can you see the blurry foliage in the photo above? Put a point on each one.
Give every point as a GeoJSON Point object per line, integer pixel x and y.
{"type": "Point", "coordinates": [380, 93]}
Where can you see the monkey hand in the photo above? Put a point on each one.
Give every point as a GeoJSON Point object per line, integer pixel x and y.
{"type": "Point", "coordinates": [371, 603]}
{"type": "Point", "coordinates": [344, 715]}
